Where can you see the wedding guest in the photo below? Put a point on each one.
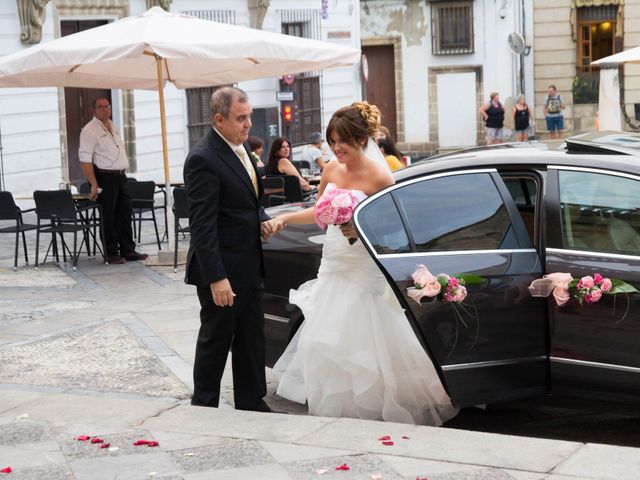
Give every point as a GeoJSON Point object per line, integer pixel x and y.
{"type": "Point", "coordinates": [312, 153]}
{"type": "Point", "coordinates": [521, 119]}
{"type": "Point", "coordinates": [256, 144]}
{"type": "Point", "coordinates": [391, 153]}
{"type": "Point", "coordinates": [279, 162]}
{"type": "Point", "coordinates": [493, 114]}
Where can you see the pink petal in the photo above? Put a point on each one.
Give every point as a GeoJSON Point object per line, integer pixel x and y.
{"type": "Point", "coordinates": [6, 470]}
{"type": "Point", "coordinates": [404, 437]}
{"type": "Point", "coordinates": [152, 443]}
{"type": "Point", "coordinates": [422, 478]}
{"type": "Point", "coordinates": [105, 445]}
{"type": "Point", "coordinates": [97, 440]}
{"type": "Point", "coordinates": [344, 466]}
{"type": "Point", "coordinates": [140, 442]}
{"type": "Point", "coordinates": [386, 437]}
{"type": "Point", "coordinates": [83, 438]}
{"type": "Point", "coordinates": [388, 443]}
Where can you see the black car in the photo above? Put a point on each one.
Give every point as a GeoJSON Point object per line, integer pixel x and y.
{"type": "Point", "coordinates": [509, 214]}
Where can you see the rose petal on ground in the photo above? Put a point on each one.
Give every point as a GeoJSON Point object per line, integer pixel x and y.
{"type": "Point", "coordinates": [140, 442]}
{"type": "Point", "coordinates": [388, 442]}
{"type": "Point", "coordinates": [152, 443]}
{"type": "Point", "coordinates": [105, 445]}
{"type": "Point", "coordinates": [97, 440]}
{"type": "Point", "coordinates": [322, 471]}
{"type": "Point", "coordinates": [83, 438]}
{"type": "Point", "coordinates": [6, 470]}
{"type": "Point", "coordinates": [344, 466]}
{"type": "Point", "coordinates": [422, 478]}
{"type": "Point", "coordinates": [386, 437]}
{"type": "Point", "coordinates": [404, 437]}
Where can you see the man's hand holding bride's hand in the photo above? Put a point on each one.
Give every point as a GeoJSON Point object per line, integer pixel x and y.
{"type": "Point", "coordinates": [271, 227]}
{"type": "Point", "coordinates": [349, 231]}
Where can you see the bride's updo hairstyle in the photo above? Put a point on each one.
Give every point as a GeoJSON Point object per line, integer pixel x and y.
{"type": "Point", "coordinates": [355, 123]}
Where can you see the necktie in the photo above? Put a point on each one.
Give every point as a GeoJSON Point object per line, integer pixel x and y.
{"type": "Point", "coordinates": [244, 158]}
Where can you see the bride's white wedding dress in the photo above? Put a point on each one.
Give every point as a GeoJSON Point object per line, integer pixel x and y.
{"type": "Point", "coordinates": [355, 354]}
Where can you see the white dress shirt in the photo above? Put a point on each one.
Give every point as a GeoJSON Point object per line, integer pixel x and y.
{"type": "Point", "coordinates": [100, 147]}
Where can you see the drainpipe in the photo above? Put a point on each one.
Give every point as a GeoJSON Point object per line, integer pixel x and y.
{"type": "Point", "coordinates": [257, 12]}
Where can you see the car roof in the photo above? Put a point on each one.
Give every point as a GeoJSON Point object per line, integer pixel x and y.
{"type": "Point", "coordinates": [513, 156]}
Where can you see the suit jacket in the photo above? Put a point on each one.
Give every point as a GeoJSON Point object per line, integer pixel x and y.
{"type": "Point", "coordinates": [224, 217]}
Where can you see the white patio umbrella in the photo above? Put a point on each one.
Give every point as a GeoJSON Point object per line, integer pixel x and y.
{"type": "Point", "coordinates": [148, 50]}
{"type": "Point", "coordinates": [628, 56]}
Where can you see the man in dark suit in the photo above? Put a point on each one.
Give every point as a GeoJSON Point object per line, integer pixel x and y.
{"type": "Point", "coordinates": [225, 256]}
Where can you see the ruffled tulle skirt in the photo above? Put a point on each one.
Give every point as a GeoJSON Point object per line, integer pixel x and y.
{"type": "Point", "coordinates": [356, 355]}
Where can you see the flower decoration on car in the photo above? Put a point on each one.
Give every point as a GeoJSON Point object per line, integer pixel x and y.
{"type": "Point", "coordinates": [586, 290]}
{"type": "Point", "coordinates": [450, 289]}
{"type": "Point", "coordinates": [444, 287]}
{"type": "Point", "coordinates": [336, 207]}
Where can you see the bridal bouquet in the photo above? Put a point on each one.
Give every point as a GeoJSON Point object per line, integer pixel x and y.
{"type": "Point", "coordinates": [448, 288]}
{"type": "Point", "coordinates": [588, 289]}
{"type": "Point", "coordinates": [336, 207]}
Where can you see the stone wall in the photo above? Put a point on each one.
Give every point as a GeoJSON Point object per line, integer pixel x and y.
{"type": "Point", "coordinates": [554, 58]}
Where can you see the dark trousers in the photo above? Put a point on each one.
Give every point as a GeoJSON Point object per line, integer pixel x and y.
{"type": "Point", "coordinates": [241, 329]}
{"type": "Point", "coordinates": [116, 212]}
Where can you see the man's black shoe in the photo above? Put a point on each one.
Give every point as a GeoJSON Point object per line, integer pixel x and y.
{"type": "Point", "coordinates": [115, 260]}
{"type": "Point", "coordinates": [133, 256]}
{"type": "Point", "coordinates": [262, 407]}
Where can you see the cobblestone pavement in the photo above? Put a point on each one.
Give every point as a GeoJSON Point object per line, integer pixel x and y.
{"type": "Point", "coordinates": [107, 352]}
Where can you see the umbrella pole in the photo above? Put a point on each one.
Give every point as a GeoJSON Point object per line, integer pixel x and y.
{"type": "Point", "coordinates": [165, 157]}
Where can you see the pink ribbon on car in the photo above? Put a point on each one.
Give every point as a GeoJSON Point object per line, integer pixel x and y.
{"type": "Point", "coordinates": [554, 283]}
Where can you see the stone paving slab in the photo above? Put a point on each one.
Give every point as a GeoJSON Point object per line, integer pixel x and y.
{"type": "Point", "coordinates": [603, 462]}
{"type": "Point", "coordinates": [48, 275]}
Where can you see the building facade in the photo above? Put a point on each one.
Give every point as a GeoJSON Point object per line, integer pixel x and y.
{"type": "Point", "coordinates": [437, 61]}
{"type": "Point", "coordinates": [568, 36]}
{"type": "Point", "coordinates": [39, 127]}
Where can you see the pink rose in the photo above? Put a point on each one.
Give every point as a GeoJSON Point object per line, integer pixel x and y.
{"type": "Point", "coordinates": [422, 276]}
{"type": "Point", "coordinates": [596, 295]}
{"type": "Point", "coordinates": [561, 295]}
{"type": "Point", "coordinates": [453, 282]}
{"type": "Point", "coordinates": [461, 294]}
{"type": "Point", "coordinates": [328, 215]}
{"type": "Point", "coordinates": [344, 215]}
{"type": "Point", "coordinates": [586, 282]}
{"type": "Point", "coordinates": [597, 279]}
{"type": "Point", "coordinates": [342, 200]}
{"type": "Point", "coordinates": [606, 285]}
{"type": "Point", "coordinates": [587, 298]}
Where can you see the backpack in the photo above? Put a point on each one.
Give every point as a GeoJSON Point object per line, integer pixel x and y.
{"type": "Point", "coordinates": [553, 104]}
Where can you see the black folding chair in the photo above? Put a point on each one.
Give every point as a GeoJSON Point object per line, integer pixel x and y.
{"type": "Point", "coordinates": [11, 212]}
{"type": "Point", "coordinates": [93, 215]}
{"type": "Point", "coordinates": [293, 191]}
{"type": "Point", "coordinates": [273, 191]}
{"type": "Point", "coordinates": [64, 216]}
{"type": "Point", "coordinates": [143, 201]}
{"type": "Point", "coordinates": [180, 210]}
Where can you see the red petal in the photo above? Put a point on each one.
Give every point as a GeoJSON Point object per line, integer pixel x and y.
{"type": "Point", "coordinates": [422, 478]}
{"type": "Point", "coordinates": [140, 442]}
{"type": "Point", "coordinates": [344, 466]}
{"type": "Point", "coordinates": [97, 440]}
{"type": "Point", "coordinates": [6, 470]}
{"type": "Point", "coordinates": [152, 443]}
{"type": "Point", "coordinates": [404, 437]}
{"type": "Point", "coordinates": [105, 445]}
{"type": "Point", "coordinates": [388, 442]}
{"type": "Point", "coordinates": [386, 437]}
{"type": "Point", "coordinates": [83, 438]}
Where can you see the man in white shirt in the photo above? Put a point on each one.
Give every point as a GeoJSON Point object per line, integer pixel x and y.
{"type": "Point", "coordinates": [103, 159]}
{"type": "Point", "coordinates": [313, 154]}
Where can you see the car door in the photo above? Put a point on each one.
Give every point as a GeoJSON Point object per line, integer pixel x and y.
{"type": "Point", "coordinates": [494, 348]}
{"type": "Point", "coordinates": [594, 227]}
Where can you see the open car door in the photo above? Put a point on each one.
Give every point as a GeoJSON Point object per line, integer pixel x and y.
{"type": "Point", "coordinates": [493, 346]}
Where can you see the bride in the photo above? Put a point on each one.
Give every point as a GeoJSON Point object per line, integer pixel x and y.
{"type": "Point", "coordinates": [355, 354]}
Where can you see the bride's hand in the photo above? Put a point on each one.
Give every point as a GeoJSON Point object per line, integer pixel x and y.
{"type": "Point", "coordinates": [349, 231]}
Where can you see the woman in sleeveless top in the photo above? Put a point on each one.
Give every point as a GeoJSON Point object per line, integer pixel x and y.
{"type": "Point", "coordinates": [522, 119]}
{"type": "Point", "coordinates": [493, 114]}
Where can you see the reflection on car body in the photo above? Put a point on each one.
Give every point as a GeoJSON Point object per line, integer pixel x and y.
{"type": "Point", "coordinates": [509, 215]}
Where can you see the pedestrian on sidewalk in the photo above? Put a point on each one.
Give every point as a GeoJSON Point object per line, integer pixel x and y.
{"type": "Point", "coordinates": [224, 260]}
{"type": "Point", "coordinates": [493, 115]}
{"type": "Point", "coordinates": [103, 159]}
{"type": "Point", "coordinates": [522, 119]}
{"type": "Point", "coordinates": [312, 153]}
{"type": "Point", "coordinates": [553, 106]}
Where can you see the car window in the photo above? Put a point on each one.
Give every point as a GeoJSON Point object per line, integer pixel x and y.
{"type": "Point", "coordinates": [524, 191]}
{"type": "Point", "coordinates": [600, 212]}
{"type": "Point", "coordinates": [458, 212]}
{"type": "Point", "coordinates": [382, 226]}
